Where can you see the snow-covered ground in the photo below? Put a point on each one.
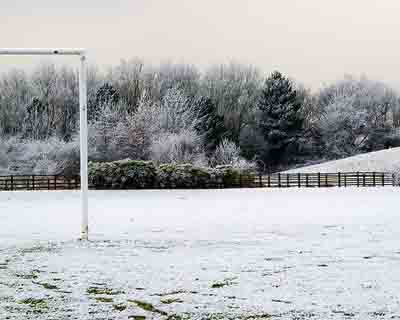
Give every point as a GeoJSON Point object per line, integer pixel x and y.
{"type": "Point", "coordinates": [379, 161]}
{"type": "Point", "coordinates": [204, 254]}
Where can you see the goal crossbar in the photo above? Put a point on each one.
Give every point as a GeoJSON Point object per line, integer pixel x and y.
{"type": "Point", "coordinates": [82, 118]}
{"type": "Point", "coordinates": [38, 51]}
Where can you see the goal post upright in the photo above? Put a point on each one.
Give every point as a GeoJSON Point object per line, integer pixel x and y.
{"type": "Point", "coordinates": [83, 131]}
{"type": "Point", "coordinates": [83, 146]}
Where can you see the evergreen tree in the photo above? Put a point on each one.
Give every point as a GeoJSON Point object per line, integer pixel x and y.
{"type": "Point", "coordinates": [210, 125]}
{"type": "Point", "coordinates": [106, 95]}
{"type": "Point", "coordinates": [36, 120]}
{"type": "Point", "coordinates": [281, 119]}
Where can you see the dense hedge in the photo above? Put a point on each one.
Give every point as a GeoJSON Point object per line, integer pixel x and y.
{"type": "Point", "coordinates": [131, 174]}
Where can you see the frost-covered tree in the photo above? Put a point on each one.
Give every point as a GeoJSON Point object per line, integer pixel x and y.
{"type": "Point", "coordinates": [127, 79]}
{"type": "Point", "coordinates": [181, 147]}
{"type": "Point", "coordinates": [169, 75]}
{"type": "Point", "coordinates": [68, 103]}
{"type": "Point", "coordinates": [281, 119]}
{"type": "Point", "coordinates": [52, 156]}
{"type": "Point", "coordinates": [234, 89]}
{"type": "Point", "coordinates": [109, 135]}
{"type": "Point", "coordinates": [15, 95]}
{"type": "Point", "coordinates": [176, 112]}
{"type": "Point", "coordinates": [36, 120]}
{"type": "Point", "coordinates": [106, 95]}
{"type": "Point", "coordinates": [228, 153]}
{"type": "Point", "coordinates": [358, 115]}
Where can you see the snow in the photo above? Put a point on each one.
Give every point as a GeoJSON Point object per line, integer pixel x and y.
{"type": "Point", "coordinates": [379, 161]}
{"type": "Point", "coordinates": [292, 254]}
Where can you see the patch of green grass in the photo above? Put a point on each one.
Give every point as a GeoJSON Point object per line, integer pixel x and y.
{"type": "Point", "coordinates": [39, 305]}
{"type": "Point", "coordinates": [171, 293]}
{"type": "Point", "coordinates": [28, 276]}
{"type": "Point", "coordinates": [102, 291]}
{"type": "Point", "coordinates": [281, 301]}
{"type": "Point", "coordinates": [64, 291]}
{"type": "Point", "coordinates": [172, 300]}
{"type": "Point", "coordinates": [46, 285]}
{"type": "Point", "coordinates": [174, 317]}
{"type": "Point", "coordinates": [224, 283]}
{"type": "Point", "coordinates": [258, 316]}
{"type": "Point", "coordinates": [119, 307]}
{"type": "Point", "coordinates": [224, 316]}
{"type": "Point", "coordinates": [104, 299]}
{"type": "Point", "coordinates": [147, 307]}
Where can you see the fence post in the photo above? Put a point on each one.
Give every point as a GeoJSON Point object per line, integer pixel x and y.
{"type": "Point", "coordinates": [307, 180]}
{"type": "Point", "coordinates": [33, 182]}
{"type": "Point", "coordinates": [319, 179]}
{"type": "Point", "coordinates": [55, 182]}
{"type": "Point", "coordinates": [363, 179]}
{"type": "Point", "coordinates": [345, 180]}
{"type": "Point", "coordinates": [326, 179]}
{"type": "Point", "coordinates": [298, 180]}
{"type": "Point", "coordinates": [373, 178]}
{"type": "Point", "coordinates": [269, 181]}
{"type": "Point", "coordinates": [279, 179]}
{"type": "Point", "coordinates": [358, 179]}
{"type": "Point", "coordinates": [260, 177]}
{"type": "Point", "coordinates": [240, 181]}
{"type": "Point", "coordinates": [339, 180]}
{"type": "Point", "coordinates": [287, 180]}
{"type": "Point", "coordinates": [48, 183]}
{"type": "Point", "coordinates": [12, 183]}
{"type": "Point", "coordinates": [383, 179]}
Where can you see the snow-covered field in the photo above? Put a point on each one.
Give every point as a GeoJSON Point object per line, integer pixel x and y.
{"type": "Point", "coordinates": [211, 254]}
{"type": "Point", "coordinates": [379, 161]}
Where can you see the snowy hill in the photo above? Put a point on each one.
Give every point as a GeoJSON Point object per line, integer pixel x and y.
{"type": "Point", "coordinates": [379, 161]}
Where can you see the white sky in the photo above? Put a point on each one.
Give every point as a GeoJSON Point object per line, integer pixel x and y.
{"type": "Point", "coordinates": [314, 41]}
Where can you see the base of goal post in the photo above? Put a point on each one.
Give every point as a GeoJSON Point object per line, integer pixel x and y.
{"type": "Point", "coordinates": [84, 235]}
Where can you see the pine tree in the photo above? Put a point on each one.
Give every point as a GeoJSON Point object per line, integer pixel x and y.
{"type": "Point", "coordinates": [210, 125]}
{"type": "Point", "coordinates": [36, 120]}
{"type": "Point", "coordinates": [106, 95]}
{"type": "Point", "coordinates": [281, 119]}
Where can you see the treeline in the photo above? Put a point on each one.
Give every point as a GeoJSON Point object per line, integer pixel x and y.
{"type": "Point", "coordinates": [173, 113]}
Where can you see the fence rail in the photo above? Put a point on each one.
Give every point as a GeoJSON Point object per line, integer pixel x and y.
{"type": "Point", "coordinates": [323, 180]}
{"type": "Point", "coordinates": [278, 180]}
{"type": "Point", "coordinates": [38, 182]}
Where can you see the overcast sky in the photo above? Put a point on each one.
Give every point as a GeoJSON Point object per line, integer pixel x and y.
{"type": "Point", "coordinates": [314, 41]}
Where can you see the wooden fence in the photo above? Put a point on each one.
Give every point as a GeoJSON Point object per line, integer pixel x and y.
{"type": "Point", "coordinates": [323, 180]}
{"type": "Point", "coordinates": [38, 182]}
{"type": "Point", "coordinates": [278, 180]}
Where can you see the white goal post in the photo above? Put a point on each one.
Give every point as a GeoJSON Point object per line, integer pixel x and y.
{"type": "Point", "coordinates": [82, 119]}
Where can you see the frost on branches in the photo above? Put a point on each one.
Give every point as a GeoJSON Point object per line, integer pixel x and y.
{"type": "Point", "coordinates": [174, 113]}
